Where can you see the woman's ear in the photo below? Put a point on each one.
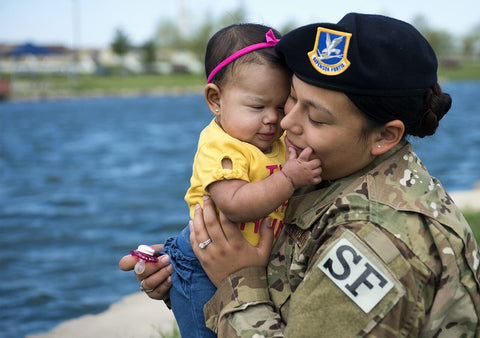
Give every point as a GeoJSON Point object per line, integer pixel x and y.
{"type": "Point", "coordinates": [212, 98]}
{"type": "Point", "coordinates": [388, 137]}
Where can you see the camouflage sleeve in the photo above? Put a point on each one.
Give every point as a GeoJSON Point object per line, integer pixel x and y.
{"type": "Point", "coordinates": [241, 307]}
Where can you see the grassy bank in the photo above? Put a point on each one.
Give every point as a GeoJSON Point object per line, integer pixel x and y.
{"type": "Point", "coordinates": [139, 82]}
{"type": "Point", "coordinates": [467, 70]}
{"type": "Point", "coordinates": [48, 85]}
{"type": "Point", "coordinates": [473, 218]}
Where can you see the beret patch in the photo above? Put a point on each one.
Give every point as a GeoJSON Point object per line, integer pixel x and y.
{"type": "Point", "coordinates": [329, 56]}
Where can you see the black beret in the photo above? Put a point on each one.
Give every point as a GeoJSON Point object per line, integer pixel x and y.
{"type": "Point", "coordinates": [362, 54]}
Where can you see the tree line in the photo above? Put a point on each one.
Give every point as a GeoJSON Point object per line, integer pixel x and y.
{"type": "Point", "coordinates": [168, 37]}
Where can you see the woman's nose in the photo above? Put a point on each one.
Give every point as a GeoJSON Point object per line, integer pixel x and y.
{"type": "Point", "coordinates": [291, 122]}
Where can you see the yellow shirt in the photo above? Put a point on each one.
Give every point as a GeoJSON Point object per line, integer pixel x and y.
{"type": "Point", "coordinates": [249, 164]}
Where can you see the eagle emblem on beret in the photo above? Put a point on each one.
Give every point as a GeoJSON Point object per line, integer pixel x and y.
{"type": "Point", "coordinates": [329, 54]}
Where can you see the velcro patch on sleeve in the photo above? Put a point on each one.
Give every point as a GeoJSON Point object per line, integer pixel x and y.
{"type": "Point", "coordinates": [354, 269]}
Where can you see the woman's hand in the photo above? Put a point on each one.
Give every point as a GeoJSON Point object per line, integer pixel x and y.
{"type": "Point", "coordinates": [228, 251]}
{"type": "Point", "coordinates": [156, 276]}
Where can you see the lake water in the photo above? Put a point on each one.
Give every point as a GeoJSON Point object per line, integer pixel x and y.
{"type": "Point", "coordinates": [83, 181]}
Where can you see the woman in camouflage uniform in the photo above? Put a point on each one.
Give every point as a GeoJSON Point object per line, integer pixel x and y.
{"type": "Point", "coordinates": [378, 248]}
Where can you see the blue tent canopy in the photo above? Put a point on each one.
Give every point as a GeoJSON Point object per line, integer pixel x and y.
{"type": "Point", "coordinates": [31, 49]}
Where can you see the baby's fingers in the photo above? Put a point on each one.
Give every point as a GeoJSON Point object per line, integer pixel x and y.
{"type": "Point", "coordinates": [292, 154]}
{"type": "Point", "coordinates": [305, 154]}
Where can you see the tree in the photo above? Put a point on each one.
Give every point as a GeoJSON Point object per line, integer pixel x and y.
{"type": "Point", "coordinates": [420, 22]}
{"type": "Point", "coordinates": [120, 44]}
{"type": "Point", "coordinates": [236, 16]}
{"type": "Point", "coordinates": [289, 26]}
{"type": "Point", "coordinates": [167, 36]}
{"type": "Point", "coordinates": [442, 42]}
{"type": "Point", "coordinates": [197, 43]}
{"type": "Point", "coordinates": [471, 42]}
{"type": "Point", "coordinates": [149, 55]}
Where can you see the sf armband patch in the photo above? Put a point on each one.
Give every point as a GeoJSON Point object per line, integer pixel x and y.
{"type": "Point", "coordinates": [357, 272]}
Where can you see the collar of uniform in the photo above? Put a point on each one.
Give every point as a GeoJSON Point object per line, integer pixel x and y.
{"type": "Point", "coordinates": [310, 203]}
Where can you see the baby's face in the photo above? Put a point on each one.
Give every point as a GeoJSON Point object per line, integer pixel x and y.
{"type": "Point", "coordinates": [252, 102]}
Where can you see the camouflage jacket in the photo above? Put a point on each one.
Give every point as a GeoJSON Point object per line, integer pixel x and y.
{"type": "Point", "coordinates": [381, 253]}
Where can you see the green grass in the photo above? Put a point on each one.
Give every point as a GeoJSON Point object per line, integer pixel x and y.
{"type": "Point", "coordinates": [466, 70]}
{"type": "Point", "coordinates": [139, 82]}
{"type": "Point", "coordinates": [174, 333]}
{"type": "Point", "coordinates": [473, 219]}
{"type": "Point", "coordinates": [47, 85]}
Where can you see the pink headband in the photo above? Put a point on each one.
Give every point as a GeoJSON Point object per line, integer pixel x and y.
{"type": "Point", "coordinates": [271, 41]}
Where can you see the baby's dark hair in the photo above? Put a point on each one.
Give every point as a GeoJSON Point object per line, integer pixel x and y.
{"type": "Point", "coordinates": [231, 39]}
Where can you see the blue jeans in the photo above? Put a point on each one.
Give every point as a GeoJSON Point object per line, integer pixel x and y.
{"type": "Point", "coordinates": [191, 287]}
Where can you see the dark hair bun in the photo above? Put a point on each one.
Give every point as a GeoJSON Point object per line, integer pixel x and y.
{"type": "Point", "coordinates": [437, 105]}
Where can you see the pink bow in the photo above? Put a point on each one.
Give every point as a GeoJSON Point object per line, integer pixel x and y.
{"type": "Point", "coordinates": [271, 39]}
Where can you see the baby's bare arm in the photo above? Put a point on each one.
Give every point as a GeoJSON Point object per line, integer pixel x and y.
{"type": "Point", "coordinates": [242, 201]}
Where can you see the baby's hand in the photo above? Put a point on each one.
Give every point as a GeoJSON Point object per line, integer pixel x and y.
{"type": "Point", "coordinates": [301, 171]}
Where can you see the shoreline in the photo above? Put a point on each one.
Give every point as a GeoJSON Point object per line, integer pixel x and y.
{"type": "Point", "coordinates": [136, 315]}
{"type": "Point", "coordinates": [94, 94]}
{"type": "Point", "coordinates": [468, 199]}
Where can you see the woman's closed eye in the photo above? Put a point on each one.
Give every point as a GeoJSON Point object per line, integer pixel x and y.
{"type": "Point", "coordinates": [314, 122]}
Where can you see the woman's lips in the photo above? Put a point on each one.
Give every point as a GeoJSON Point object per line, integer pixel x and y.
{"type": "Point", "coordinates": [291, 145]}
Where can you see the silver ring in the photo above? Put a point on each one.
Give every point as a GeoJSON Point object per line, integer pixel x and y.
{"type": "Point", "coordinates": [144, 290]}
{"type": "Point", "coordinates": [203, 245]}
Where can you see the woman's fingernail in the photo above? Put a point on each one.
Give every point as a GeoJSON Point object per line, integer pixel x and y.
{"type": "Point", "coordinates": [206, 197]}
{"type": "Point", "coordinates": [170, 268]}
{"type": "Point", "coordinates": [165, 259]}
{"type": "Point", "coordinates": [197, 206]}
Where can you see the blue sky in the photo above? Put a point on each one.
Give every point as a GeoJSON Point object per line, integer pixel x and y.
{"type": "Point", "coordinates": [52, 21]}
